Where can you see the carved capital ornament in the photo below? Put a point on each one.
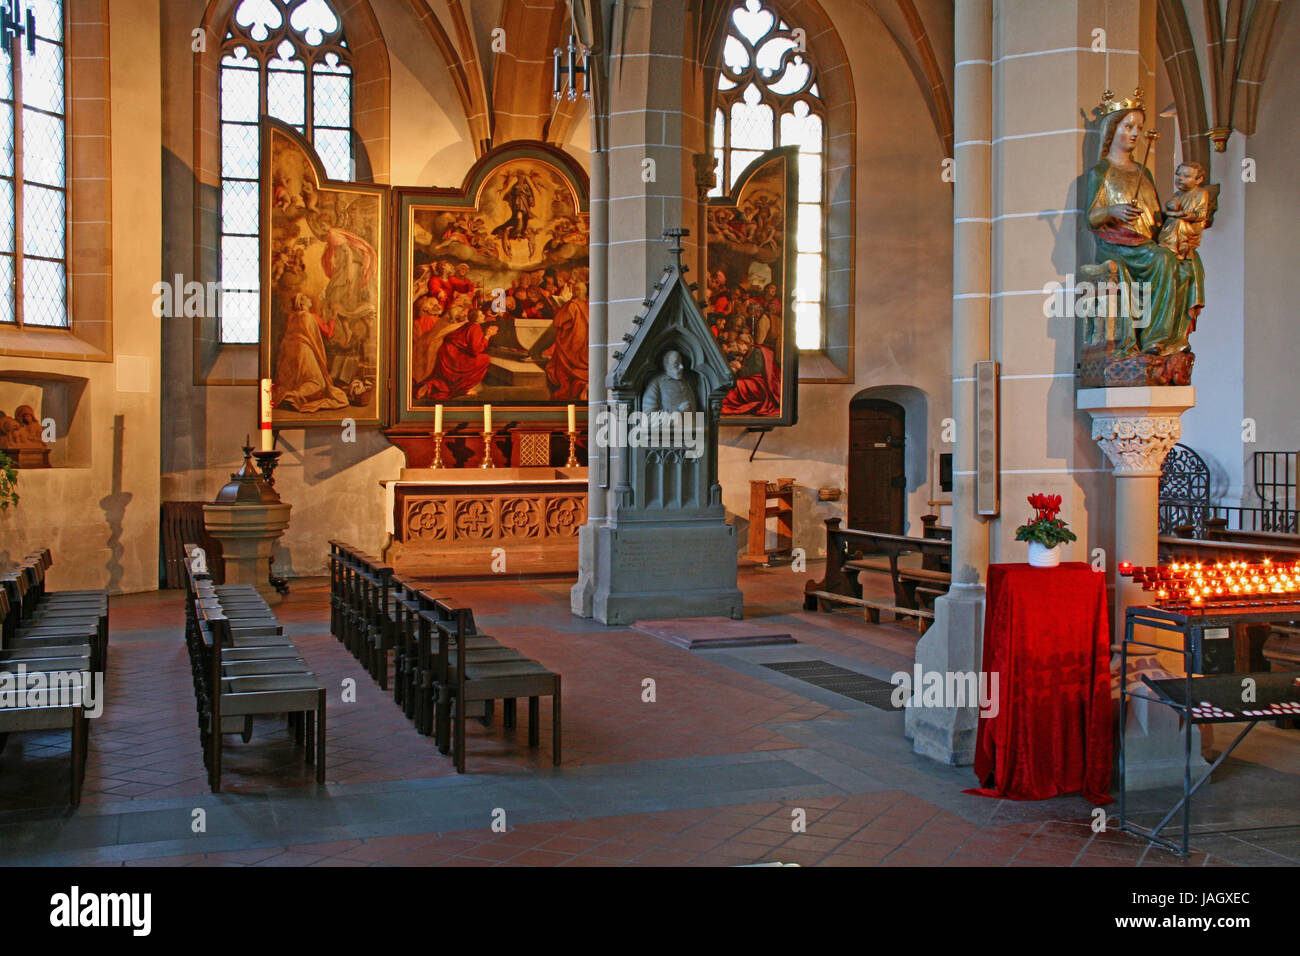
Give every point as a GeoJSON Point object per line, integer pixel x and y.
{"type": "Point", "coordinates": [1136, 445]}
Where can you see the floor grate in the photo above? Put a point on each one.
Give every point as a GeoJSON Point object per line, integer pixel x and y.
{"type": "Point", "coordinates": [840, 680]}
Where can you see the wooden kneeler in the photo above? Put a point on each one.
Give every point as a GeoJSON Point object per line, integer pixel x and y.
{"type": "Point", "coordinates": [469, 681]}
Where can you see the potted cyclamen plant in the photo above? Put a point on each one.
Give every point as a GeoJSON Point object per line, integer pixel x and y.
{"type": "Point", "coordinates": [1046, 532]}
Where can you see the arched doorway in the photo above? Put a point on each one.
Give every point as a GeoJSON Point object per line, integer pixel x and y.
{"type": "Point", "coordinates": [877, 474]}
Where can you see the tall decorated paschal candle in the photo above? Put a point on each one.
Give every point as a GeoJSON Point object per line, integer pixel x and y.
{"type": "Point", "coordinates": [264, 414]}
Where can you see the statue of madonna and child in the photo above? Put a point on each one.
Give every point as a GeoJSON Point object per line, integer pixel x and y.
{"type": "Point", "coordinates": [1150, 251]}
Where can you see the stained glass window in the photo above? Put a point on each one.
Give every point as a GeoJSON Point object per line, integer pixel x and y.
{"type": "Point", "coordinates": [290, 60]}
{"type": "Point", "coordinates": [33, 175]}
{"type": "Point", "coordinates": [767, 96]}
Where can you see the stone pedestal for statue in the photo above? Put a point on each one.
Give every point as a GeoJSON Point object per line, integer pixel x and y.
{"type": "Point", "coordinates": [247, 516]}
{"type": "Point", "coordinates": [666, 550]}
{"type": "Point", "coordinates": [1136, 427]}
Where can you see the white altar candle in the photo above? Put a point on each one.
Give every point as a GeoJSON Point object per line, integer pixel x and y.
{"type": "Point", "coordinates": [264, 415]}
{"type": "Point", "coordinates": [573, 420]}
{"type": "Point", "coordinates": [487, 418]}
{"type": "Point", "coordinates": [437, 418]}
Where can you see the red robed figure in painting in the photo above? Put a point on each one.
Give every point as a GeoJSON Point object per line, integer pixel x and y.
{"type": "Point", "coordinates": [758, 393]}
{"type": "Point", "coordinates": [461, 363]}
{"type": "Point", "coordinates": [566, 373]}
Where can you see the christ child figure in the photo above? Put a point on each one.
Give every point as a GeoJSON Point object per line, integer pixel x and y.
{"type": "Point", "coordinates": [1187, 212]}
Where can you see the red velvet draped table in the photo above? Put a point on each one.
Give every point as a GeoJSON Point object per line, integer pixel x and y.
{"type": "Point", "coordinates": [1046, 637]}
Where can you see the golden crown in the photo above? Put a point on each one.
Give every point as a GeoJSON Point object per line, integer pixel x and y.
{"type": "Point", "coordinates": [1111, 105]}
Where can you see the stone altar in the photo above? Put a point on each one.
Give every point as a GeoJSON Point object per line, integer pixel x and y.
{"type": "Point", "coordinates": [448, 522]}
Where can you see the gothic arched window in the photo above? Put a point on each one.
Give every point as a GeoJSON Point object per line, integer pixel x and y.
{"type": "Point", "coordinates": [33, 175]}
{"type": "Point", "coordinates": [287, 59]}
{"type": "Point", "coordinates": [766, 97]}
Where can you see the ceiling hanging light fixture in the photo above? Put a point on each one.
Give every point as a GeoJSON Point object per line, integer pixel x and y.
{"type": "Point", "coordinates": [568, 72]}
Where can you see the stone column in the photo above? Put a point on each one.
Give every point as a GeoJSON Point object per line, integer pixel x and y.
{"type": "Point", "coordinates": [1018, 227]}
{"type": "Point", "coordinates": [597, 336]}
{"type": "Point", "coordinates": [1136, 428]}
{"type": "Point", "coordinates": [644, 123]}
{"type": "Point", "coordinates": [955, 641]}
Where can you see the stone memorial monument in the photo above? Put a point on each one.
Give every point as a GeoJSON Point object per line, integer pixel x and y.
{"type": "Point", "coordinates": [667, 550]}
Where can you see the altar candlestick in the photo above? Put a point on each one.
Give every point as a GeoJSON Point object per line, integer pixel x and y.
{"type": "Point", "coordinates": [573, 419]}
{"type": "Point", "coordinates": [268, 439]}
{"type": "Point", "coordinates": [487, 418]}
{"type": "Point", "coordinates": [437, 418]}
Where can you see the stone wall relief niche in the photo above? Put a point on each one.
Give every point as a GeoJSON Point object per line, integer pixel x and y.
{"type": "Point", "coordinates": [493, 289]}
{"type": "Point", "coordinates": [750, 303]}
{"type": "Point", "coordinates": [323, 288]}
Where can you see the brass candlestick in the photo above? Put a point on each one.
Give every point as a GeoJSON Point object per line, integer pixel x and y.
{"type": "Point", "coordinates": [437, 450]}
{"type": "Point", "coordinates": [487, 449]}
{"type": "Point", "coordinates": [573, 448]}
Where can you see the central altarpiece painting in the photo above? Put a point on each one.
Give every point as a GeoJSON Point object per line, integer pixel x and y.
{"type": "Point", "coordinates": [461, 297]}
{"type": "Point", "coordinates": [494, 283]}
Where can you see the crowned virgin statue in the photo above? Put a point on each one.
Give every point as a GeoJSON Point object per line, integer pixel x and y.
{"type": "Point", "coordinates": [1164, 284]}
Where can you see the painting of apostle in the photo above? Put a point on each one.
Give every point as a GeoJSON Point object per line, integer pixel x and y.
{"type": "Point", "coordinates": [498, 298]}
{"type": "Point", "coordinates": [321, 290]}
{"type": "Point", "coordinates": [747, 295]}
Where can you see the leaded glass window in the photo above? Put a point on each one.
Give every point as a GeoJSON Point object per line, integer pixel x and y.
{"type": "Point", "coordinates": [290, 60]}
{"type": "Point", "coordinates": [766, 97]}
{"type": "Point", "coordinates": [33, 175]}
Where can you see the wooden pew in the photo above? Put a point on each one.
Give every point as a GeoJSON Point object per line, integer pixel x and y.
{"type": "Point", "coordinates": [845, 548]}
{"type": "Point", "coordinates": [468, 676]}
{"type": "Point", "coordinates": [65, 662]}
{"type": "Point", "coordinates": [244, 665]}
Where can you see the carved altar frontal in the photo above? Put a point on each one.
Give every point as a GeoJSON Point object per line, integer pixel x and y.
{"type": "Point", "coordinates": [459, 523]}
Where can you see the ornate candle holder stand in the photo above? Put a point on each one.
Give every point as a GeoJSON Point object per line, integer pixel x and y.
{"type": "Point", "coordinates": [573, 449]}
{"type": "Point", "coordinates": [266, 464]}
{"type": "Point", "coordinates": [437, 450]}
{"type": "Point", "coordinates": [487, 449]}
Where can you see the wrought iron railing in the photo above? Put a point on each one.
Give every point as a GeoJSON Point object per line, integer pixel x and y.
{"type": "Point", "coordinates": [1185, 496]}
{"type": "Point", "coordinates": [1275, 478]}
{"type": "Point", "coordinates": [1201, 518]}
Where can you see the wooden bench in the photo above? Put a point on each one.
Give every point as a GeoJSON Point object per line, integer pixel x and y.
{"type": "Point", "coordinates": [373, 611]}
{"type": "Point", "coordinates": [244, 666]}
{"type": "Point", "coordinates": [467, 676]}
{"type": "Point", "coordinates": [56, 643]}
{"type": "Point", "coordinates": [845, 560]}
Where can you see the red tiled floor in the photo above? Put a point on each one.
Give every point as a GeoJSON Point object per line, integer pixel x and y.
{"type": "Point", "coordinates": [146, 746]}
{"type": "Point", "coordinates": [644, 840]}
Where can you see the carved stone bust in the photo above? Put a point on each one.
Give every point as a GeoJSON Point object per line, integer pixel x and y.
{"type": "Point", "coordinates": [672, 389]}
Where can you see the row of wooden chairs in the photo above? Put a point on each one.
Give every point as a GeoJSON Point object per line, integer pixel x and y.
{"type": "Point", "coordinates": [56, 640]}
{"type": "Point", "coordinates": [244, 666]}
{"type": "Point", "coordinates": [443, 667]}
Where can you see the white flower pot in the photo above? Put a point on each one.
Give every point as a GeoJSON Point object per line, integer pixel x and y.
{"type": "Point", "coordinates": [1041, 556]}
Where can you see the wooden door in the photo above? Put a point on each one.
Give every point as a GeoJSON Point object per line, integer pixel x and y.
{"type": "Point", "coordinates": [877, 479]}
